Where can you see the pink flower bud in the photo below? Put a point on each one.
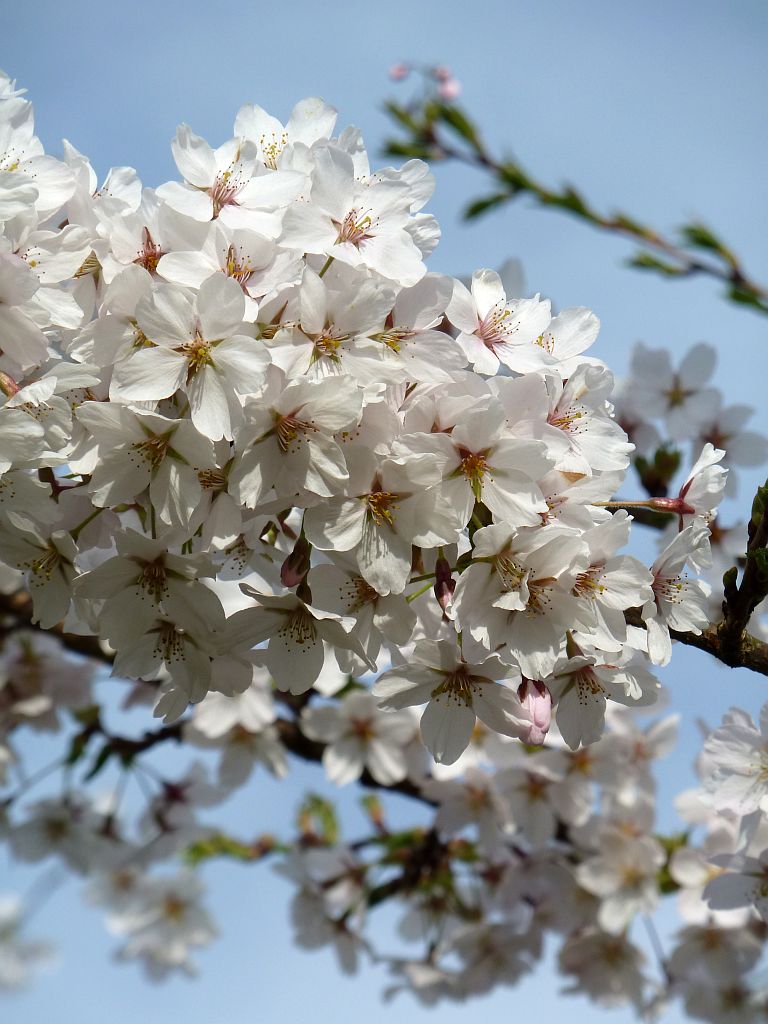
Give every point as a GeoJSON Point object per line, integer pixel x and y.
{"type": "Point", "coordinates": [442, 73]}
{"type": "Point", "coordinates": [449, 89]}
{"type": "Point", "coordinates": [445, 584]}
{"type": "Point", "coordinates": [399, 71]}
{"type": "Point", "coordinates": [8, 385]}
{"type": "Point", "coordinates": [537, 701]}
{"type": "Point", "coordinates": [676, 505]}
{"type": "Point", "coordinates": [296, 566]}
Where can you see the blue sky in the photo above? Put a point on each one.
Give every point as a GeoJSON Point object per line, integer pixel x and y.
{"type": "Point", "coordinates": [655, 108]}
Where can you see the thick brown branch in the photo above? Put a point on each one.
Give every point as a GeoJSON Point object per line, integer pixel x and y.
{"type": "Point", "coordinates": [741, 601]}
{"type": "Point", "coordinates": [749, 652]}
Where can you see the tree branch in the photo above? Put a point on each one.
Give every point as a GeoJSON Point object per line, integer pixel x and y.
{"type": "Point", "coordinates": [749, 652]}
{"type": "Point", "coordinates": [430, 126]}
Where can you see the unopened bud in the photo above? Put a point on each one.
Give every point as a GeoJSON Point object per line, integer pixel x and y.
{"type": "Point", "coordinates": [296, 566]}
{"type": "Point", "coordinates": [8, 385]}
{"type": "Point", "coordinates": [676, 505]}
{"type": "Point", "coordinates": [449, 89]}
{"type": "Point", "coordinates": [537, 701]}
{"type": "Point", "coordinates": [445, 584]}
{"type": "Point", "coordinates": [399, 71]}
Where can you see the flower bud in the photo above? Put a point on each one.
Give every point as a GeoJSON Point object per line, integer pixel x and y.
{"type": "Point", "coordinates": [399, 71]}
{"type": "Point", "coordinates": [445, 584]}
{"type": "Point", "coordinates": [8, 385]}
{"type": "Point", "coordinates": [537, 701]}
{"type": "Point", "coordinates": [296, 566]}
{"type": "Point", "coordinates": [449, 89]}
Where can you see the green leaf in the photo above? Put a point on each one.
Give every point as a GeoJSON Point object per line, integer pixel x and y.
{"type": "Point", "coordinates": [514, 176]}
{"type": "Point", "coordinates": [632, 225]}
{"type": "Point", "coordinates": [759, 558]}
{"type": "Point", "coordinates": [78, 746]}
{"type": "Point", "coordinates": [747, 297]}
{"type": "Point", "coordinates": [646, 261]}
{"type": "Point", "coordinates": [411, 150]}
{"type": "Point", "coordinates": [461, 124]}
{"type": "Point", "coordinates": [480, 206]}
{"type": "Point", "coordinates": [759, 504]}
{"type": "Point", "coordinates": [402, 115]}
{"type": "Point", "coordinates": [657, 473]}
{"type": "Point", "coordinates": [568, 199]}
{"type": "Point", "coordinates": [699, 236]}
{"type": "Point", "coordinates": [101, 759]}
{"type": "Point", "coordinates": [317, 816]}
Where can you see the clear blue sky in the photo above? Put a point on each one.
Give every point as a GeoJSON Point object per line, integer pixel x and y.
{"type": "Point", "coordinates": [657, 108]}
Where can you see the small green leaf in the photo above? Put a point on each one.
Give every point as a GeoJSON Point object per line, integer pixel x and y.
{"type": "Point", "coordinates": [411, 150]}
{"type": "Point", "coordinates": [632, 225]}
{"type": "Point", "coordinates": [317, 816]}
{"type": "Point", "coordinates": [514, 176]}
{"type": "Point", "coordinates": [759, 558]}
{"type": "Point", "coordinates": [569, 199]}
{"type": "Point", "coordinates": [759, 504]}
{"type": "Point", "coordinates": [101, 759]}
{"type": "Point", "coordinates": [699, 236]}
{"type": "Point", "coordinates": [461, 124]}
{"type": "Point", "coordinates": [482, 205]}
{"type": "Point", "coordinates": [747, 297]}
{"type": "Point", "coordinates": [402, 115]}
{"type": "Point", "coordinates": [646, 261]}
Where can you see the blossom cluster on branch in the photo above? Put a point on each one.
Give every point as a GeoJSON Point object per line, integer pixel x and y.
{"type": "Point", "coordinates": [260, 461]}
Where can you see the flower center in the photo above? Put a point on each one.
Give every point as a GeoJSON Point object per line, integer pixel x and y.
{"type": "Point", "coordinates": [457, 687]}
{"type": "Point", "coordinates": [299, 628]}
{"type": "Point", "coordinates": [394, 337]}
{"type": "Point", "coordinates": [588, 583]}
{"type": "Point", "coordinates": [150, 253]}
{"type": "Point", "coordinates": [198, 355]}
{"type": "Point", "coordinates": [380, 506]}
{"type": "Point", "coordinates": [224, 190]}
{"type": "Point", "coordinates": [474, 466]}
{"type": "Point", "coordinates": [497, 327]}
{"type": "Point", "coordinates": [153, 450]}
{"type": "Point", "coordinates": [510, 573]}
{"type": "Point", "coordinates": [566, 420]}
{"type": "Point", "coordinates": [290, 431]}
{"type": "Point", "coordinates": [355, 228]}
{"type": "Point", "coordinates": [152, 580]}
{"type": "Point", "coordinates": [669, 588]}
{"type": "Point", "coordinates": [237, 267]}
{"type": "Point", "coordinates": [272, 146]}
{"type": "Point", "coordinates": [47, 563]}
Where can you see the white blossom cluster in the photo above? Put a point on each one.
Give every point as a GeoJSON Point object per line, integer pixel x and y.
{"type": "Point", "coordinates": [259, 455]}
